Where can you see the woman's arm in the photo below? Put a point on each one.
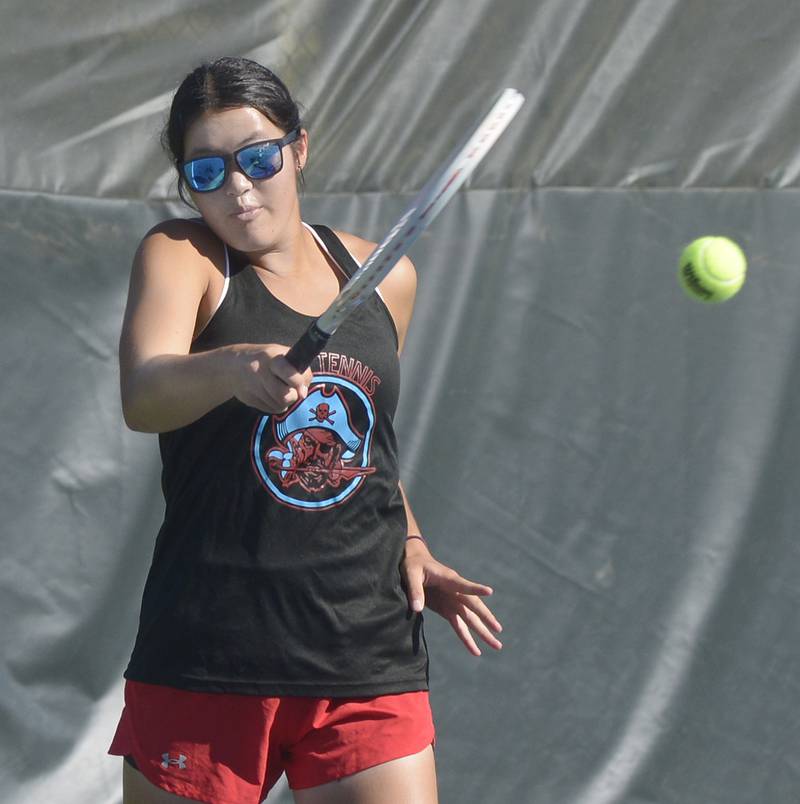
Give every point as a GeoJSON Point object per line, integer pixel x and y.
{"type": "Point", "coordinates": [163, 386]}
{"type": "Point", "coordinates": [442, 589]}
{"type": "Point", "coordinates": [428, 581]}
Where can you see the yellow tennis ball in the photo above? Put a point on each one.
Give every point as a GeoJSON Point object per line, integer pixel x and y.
{"type": "Point", "coordinates": [712, 269]}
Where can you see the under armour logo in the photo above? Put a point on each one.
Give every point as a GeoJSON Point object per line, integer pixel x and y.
{"type": "Point", "coordinates": [179, 761]}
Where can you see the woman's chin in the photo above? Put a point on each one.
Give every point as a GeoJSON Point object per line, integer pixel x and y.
{"type": "Point", "coordinates": [249, 237]}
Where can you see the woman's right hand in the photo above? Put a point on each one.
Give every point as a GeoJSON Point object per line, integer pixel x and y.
{"type": "Point", "coordinates": [263, 378]}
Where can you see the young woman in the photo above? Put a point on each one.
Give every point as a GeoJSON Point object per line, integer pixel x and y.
{"type": "Point", "coordinates": [281, 626]}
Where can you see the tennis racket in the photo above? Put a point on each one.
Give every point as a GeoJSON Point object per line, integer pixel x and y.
{"type": "Point", "coordinates": [423, 209]}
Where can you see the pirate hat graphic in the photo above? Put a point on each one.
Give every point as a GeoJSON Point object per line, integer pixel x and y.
{"type": "Point", "coordinates": [320, 410]}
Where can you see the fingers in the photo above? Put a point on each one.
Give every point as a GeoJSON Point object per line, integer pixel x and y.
{"type": "Point", "coordinates": [449, 580]}
{"type": "Point", "coordinates": [458, 600]}
{"type": "Point", "coordinates": [467, 621]}
{"type": "Point", "coordinates": [470, 614]}
{"type": "Point", "coordinates": [284, 371]}
{"type": "Point", "coordinates": [464, 634]}
{"type": "Point", "coordinates": [415, 589]}
{"type": "Point", "coordinates": [484, 615]}
{"type": "Point", "coordinates": [267, 381]}
{"type": "Point", "coordinates": [478, 623]}
{"type": "Point", "coordinates": [466, 587]}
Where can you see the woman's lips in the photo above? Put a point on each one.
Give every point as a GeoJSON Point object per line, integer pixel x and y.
{"type": "Point", "coordinates": [247, 213]}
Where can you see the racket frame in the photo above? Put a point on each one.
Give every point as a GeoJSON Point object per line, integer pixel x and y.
{"type": "Point", "coordinates": [427, 204]}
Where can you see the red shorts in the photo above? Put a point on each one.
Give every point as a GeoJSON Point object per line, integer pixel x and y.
{"type": "Point", "coordinates": [231, 749]}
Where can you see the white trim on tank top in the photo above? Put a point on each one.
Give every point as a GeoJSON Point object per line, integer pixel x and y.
{"type": "Point", "coordinates": [319, 242]}
{"type": "Point", "coordinates": [325, 249]}
{"type": "Point", "coordinates": [226, 284]}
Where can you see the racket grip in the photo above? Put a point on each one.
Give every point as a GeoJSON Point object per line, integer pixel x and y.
{"type": "Point", "coordinates": [311, 343]}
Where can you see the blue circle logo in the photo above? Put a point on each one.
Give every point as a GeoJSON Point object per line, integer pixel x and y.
{"type": "Point", "coordinates": [316, 454]}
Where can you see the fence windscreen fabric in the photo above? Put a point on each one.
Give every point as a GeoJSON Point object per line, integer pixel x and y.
{"type": "Point", "coordinates": [617, 460]}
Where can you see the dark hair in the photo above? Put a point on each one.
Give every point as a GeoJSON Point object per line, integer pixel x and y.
{"type": "Point", "coordinates": [226, 83]}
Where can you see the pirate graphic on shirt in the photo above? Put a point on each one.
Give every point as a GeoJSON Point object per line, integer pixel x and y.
{"type": "Point", "coordinates": [316, 454]}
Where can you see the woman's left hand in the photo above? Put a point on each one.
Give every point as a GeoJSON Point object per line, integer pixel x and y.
{"type": "Point", "coordinates": [456, 599]}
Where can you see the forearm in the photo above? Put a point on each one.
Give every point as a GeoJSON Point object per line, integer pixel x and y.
{"type": "Point", "coordinates": [171, 391]}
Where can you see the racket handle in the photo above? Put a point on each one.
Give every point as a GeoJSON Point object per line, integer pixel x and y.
{"type": "Point", "coordinates": [311, 343]}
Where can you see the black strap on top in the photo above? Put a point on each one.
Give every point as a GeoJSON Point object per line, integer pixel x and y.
{"type": "Point", "coordinates": [313, 341]}
{"type": "Point", "coordinates": [336, 248]}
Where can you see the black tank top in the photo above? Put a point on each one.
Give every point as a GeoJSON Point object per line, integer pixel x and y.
{"type": "Point", "coordinates": [276, 570]}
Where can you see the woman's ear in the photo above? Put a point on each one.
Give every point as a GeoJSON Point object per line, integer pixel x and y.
{"type": "Point", "coordinates": [300, 150]}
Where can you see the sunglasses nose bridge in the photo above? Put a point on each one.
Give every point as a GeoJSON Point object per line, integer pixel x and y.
{"type": "Point", "coordinates": [236, 177]}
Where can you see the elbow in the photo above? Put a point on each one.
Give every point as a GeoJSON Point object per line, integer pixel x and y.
{"type": "Point", "coordinates": [134, 418]}
{"type": "Point", "coordinates": [137, 425]}
{"type": "Point", "coordinates": [135, 411]}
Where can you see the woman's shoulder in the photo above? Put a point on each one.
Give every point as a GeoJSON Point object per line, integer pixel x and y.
{"type": "Point", "coordinates": [357, 246]}
{"type": "Point", "coordinates": [360, 248]}
{"type": "Point", "coordinates": [184, 233]}
{"type": "Point", "coordinates": [184, 241]}
{"type": "Point", "coordinates": [398, 288]}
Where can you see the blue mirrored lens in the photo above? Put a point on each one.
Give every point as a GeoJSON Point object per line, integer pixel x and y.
{"type": "Point", "coordinates": [205, 174]}
{"type": "Point", "coordinates": [260, 161]}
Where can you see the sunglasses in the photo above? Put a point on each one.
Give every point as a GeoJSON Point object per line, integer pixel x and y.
{"type": "Point", "coordinates": [259, 160]}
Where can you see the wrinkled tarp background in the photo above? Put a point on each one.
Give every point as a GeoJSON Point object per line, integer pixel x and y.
{"type": "Point", "coordinates": [617, 460]}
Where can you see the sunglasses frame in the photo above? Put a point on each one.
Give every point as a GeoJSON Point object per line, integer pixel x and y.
{"type": "Point", "coordinates": [286, 139]}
